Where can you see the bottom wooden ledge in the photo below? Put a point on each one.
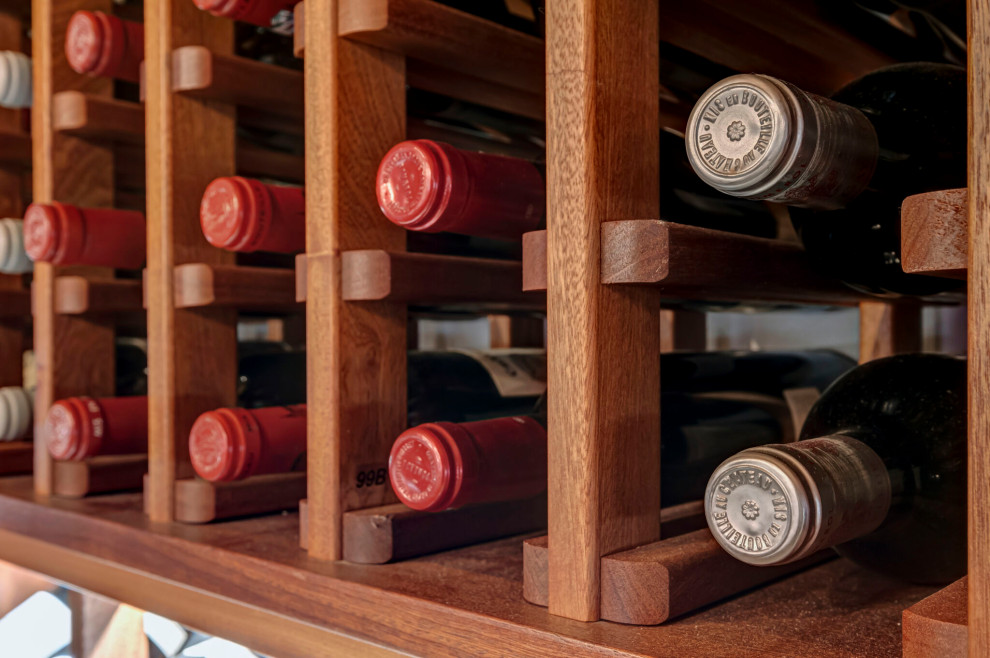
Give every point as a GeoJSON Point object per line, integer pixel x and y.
{"type": "Point", "coordinates": [666, 579]}
{"type": "Point", "coordinates": [75, 295]}
{"type": "Point", "coordinates": [395, 532]}
{"type": "Point", "coordinates": [100, 475]}
{"type": "Point", "coordinates": [16, 457]}
{"type": "Point", "coordinates": [199, 501]}
{"type": "Point", "coordinates": [247, 580]}
{"type": "Point", "coordinates": [246, 288]}
{"type": "Point", "coordinates": [936, 627]}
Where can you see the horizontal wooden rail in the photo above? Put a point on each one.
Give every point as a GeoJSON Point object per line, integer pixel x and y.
{"type": "Point", "coordinates": [199, 501]}
{"type": "Point", "coordinates": [15, 149]}
{"type": "Point", "coordinates": [245, 288]}
{"type": "Point", "coordinates": [16, 457]}
{"type": "Point", "coordinates": [934, 233]}
{"type": "Point", "coordinates": [937, 626]}
{"type": "Point", "coordinates": [197, 71]}
{"type": "Point", "coordinates": [686, 262]}
{"type": "Point", "coordinates": [14, 302]}
{"type": "Point", "coordinates": [374, 274]}
{"type": "Point", "coordinates": [77, 295]}
{"type": "Point", "coordinates": [97, 117]}
{"type": "Point", "coordinates": [100, 475]}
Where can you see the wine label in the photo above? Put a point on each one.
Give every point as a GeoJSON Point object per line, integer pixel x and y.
{"type": "Point", "coordinates": [516, 372]}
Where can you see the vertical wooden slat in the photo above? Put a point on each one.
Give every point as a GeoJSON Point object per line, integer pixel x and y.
{"type": "Point", "coordinates": [604, 342]}
{"type": "Point", "coordinates": [74, 355]}
{"type": "Point", "coordinates": [515, 331]}
{"type": "Point", "coordinates": [886, 329]}
{"type": "Point", "coordinates": [192, 361]}
{"type": "Point", "coordinates": [979, 328]}
{"type": "Point", "coordinates": [356, 351]}
{"type": "Point", "coordinates": [683, 330]}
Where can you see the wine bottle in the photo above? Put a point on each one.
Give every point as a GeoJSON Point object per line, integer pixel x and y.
{"type": "Point", "coordinates": [13, 257]}
{"type": "Point", "coordinates": [425, 185]}
{"type": "Point", "coordinates": [255, 12]}
{"type": "Point", "coordinates": [437, 465]}
{"type": "Point", "coordinates": [83, 427]}
{"type": "Point", "coordinates": [100, 44]}
{"type": "Point", "coordinates": [16, 87]}
{"type": "Point", "coordinates": [63, 234]}
{"type": "Point", "coordinates": [230, 444]}
{"type": "Point", "coordinates": [845, 164]}
{"type": "Point", "coordinates": [16, 412]}
{"type": "Point", "coordinates": [879, 474]}
{"type": "Point", "coordinates": [246, 215]}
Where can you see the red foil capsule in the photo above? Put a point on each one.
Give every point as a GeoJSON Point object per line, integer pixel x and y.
{"type": "Point", "coordinates": [103, 45]}
{"type": "Point", "coordinates": [431, 186]}
{"type": "Point", "coordinates": [67, 235]}
{"type": "Point", "coordinates": [256, 12]}
{"type": "Point", "coordinates": [437, 466]}
{"type": "Point", "coordinates": [79, 428]}
{"type": "Point", "coordinates": [244, 214]}
{"type": "Point", "coordinates": [232, 444]}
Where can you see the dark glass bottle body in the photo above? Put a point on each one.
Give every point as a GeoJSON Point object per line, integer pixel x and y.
{"type": "Point", "coordinates": [919, 114]}
{"type": "Point", "coordinates": [911, 411]}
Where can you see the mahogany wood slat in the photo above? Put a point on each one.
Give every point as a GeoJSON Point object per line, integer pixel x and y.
{"type": "Point", "coordinates": [936, 626]}
{"type": "Point", "coordinates": [201, 72]}
{"type": "Point", "coordinates": [199, 501]}
{"type": "Point", "coordinates": [395, 532]}
{"type": "Point", "coordinates": [248, 581]}
{"type": "Point", "coordinates": [933, 233]}
{"type": "Point", "coordinates": [15, 149]}
{"type": "Point", "coordinates": [674, 521]}
{"type": "Point", "coordinates": [16, 457]}
{"type": "Point", "coordinates": [192, 362]}
{"type": "Point", "coordinates": [376, 274]}
{"type": "Point", "coordinates": [97, 117]}
{"type": "Point", "coordinates": [516, 331]}
{"type": "Point", "coordinates": [235, 286]}
{"type": "Point", "coordinates": [603, 165]}
{"type": "Point", "coordinates": [74, 355]}
{"type": "Point", "coordinates": [99, 475]}
{"type": "Point", "coordinates": [300, 277]}
{"type": "Point", "coordinates": [687, 262]}
{"type": "Point", "coordinates": [254, 161]}
{"type": "Point", "coordinates": [434, 33]}
{"type": "Point", "coordinates": [356, 352]}
{"type": "Point", "coordinates": [76, 295]}
{"type": "Point", "coordinates": [683, 330]}
{"type": "Point", "coordinates": [978, 309]}
{"type": "Point", "coordinates": [14, 302]}
{"type": "Point", "coordinates": [886, 329]}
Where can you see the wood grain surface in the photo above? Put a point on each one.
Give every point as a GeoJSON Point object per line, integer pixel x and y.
{"type": "Point", "coordinates": [978, 265]}
{"type": "Point", "coordinates": [933, 233]}
{"type": "Point", "coordinates": [97, 117]}
{"type": "Point", "coordinates": [235, 286]}
{"type": "Point", "coordinates": [603, 341]}
{"type": "Point", "coordinates": [199, 501]}
{"type": "Point", "coordinates": [76, 295]}
{"type": "Point", "coordinates": [248, 581]}
{"type": "Point", "coordinates": [936, 626]}
{"type": "Point", "coordinates": [74, 355]}
{"type": "Point", "coordinates": [16, 457]}
{"type": "Point", "coordinates": [886, 329]}
{"type": "Point", "coordinates": [356, 351]}
{"type": "Point", "coordinates": [100, 475]}
{"type": "Point", "coordinates": [192, 363]}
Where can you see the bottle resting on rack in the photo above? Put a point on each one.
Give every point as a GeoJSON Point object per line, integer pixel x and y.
{"type": "Point", "coordinates": [64, 234]}
{"type": "Point", "coordinates": [880, 475]}
{"type": "Point", "coordinates": [101, 44]}
{"type": "Point", "coordinates": [15, 80]}
{"type": "Point", "coordinates": [711, 407]}
{"type": "Point", "coordinates": [247, 215]}
{"type": "Point", "coordinates": [83, 427]}
{"type": "Point", "coordinates": [844, 164]}
{"type": "Point", "coordinates": [232, 444]}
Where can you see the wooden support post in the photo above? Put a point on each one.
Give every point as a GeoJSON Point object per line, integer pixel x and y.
{"type": "Point", "coordinates": [979, 328]}
{"type": "Point", "coordinates": [356, 351]}
{"type": "Point", "coordinates": [604, 341]}
{"type": "Point", "coordinates": [515, 331]}
{"type": "Point", "coordinates": [192, 360]}
{"type": "Point", "coordinates": [74, 355]}
{"type": "Point", "coordinates": [683, 330]}
{"type": "Point", "coordinates": [888, 328]}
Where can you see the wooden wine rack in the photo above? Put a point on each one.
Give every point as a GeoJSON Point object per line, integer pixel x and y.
{"type": "Point", "coordinates": [606, 270]}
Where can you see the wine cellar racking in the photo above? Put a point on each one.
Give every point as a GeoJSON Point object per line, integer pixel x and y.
{"type": "Point", "coordinates": [294, 564]}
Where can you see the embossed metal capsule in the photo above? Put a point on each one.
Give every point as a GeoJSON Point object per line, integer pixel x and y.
{"type": "Point", "coordinates": [757, 137]}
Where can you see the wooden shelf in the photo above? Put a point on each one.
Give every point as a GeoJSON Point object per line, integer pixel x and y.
{"type": "Point", "coordinates": [78, 295]}
{"type": "Point", "coordinates": [937, 626]}
{"type": "Point", "coordinates": [16, 457]}
{"type": "Point", "coordinates": [245, 288]}
{"type": "Point", "coordinates": [376, 274]}
{"type": "Point", "coordinates": [686, 262]}
{"type": "Point", "coordinates": [199, 501]}
{"type": "Point", "coordinates": [199, 72]}
{"type": "Point", "coordinates": [934, 233]}
{"type": "Point", "coordinates": [15, 149]}
{"type": "Point", "coordinates": [461, 602]}
{"type": "Point", "coordinates": [100, 475]}
{"type": "Point", "coordinates": [97, 117]}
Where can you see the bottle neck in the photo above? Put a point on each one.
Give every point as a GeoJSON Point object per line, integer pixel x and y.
{"type": "Point", "coordinates": [760, 138]}
{"type": "Point", "coordinates": [779, 503]}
